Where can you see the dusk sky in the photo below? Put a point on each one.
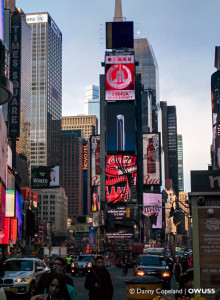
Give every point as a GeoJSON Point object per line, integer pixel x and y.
{"type": "Point", "coordinates": [183, 35]}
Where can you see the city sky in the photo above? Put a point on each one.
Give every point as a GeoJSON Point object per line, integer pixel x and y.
{"type": "Point", "coordinates": [183, 35]}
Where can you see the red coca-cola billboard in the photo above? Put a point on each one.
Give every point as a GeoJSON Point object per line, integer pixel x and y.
{"type": "Point", "coordinates": [151, 159]}
{"type": "Point", "coordinates": [120, 182]}
{"type": "Point", "coordinates": [95, 160]}
{"type": "Point", "coordinates": [119, 77]}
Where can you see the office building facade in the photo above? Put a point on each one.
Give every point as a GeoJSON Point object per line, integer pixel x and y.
{"type": "Point", "coordinates": [46, 90]}
{"type": "Point", "coordinates": [72, 170]}
{"type": "Point", "coordinates": [92, 103]}
{"type": "Point", "coordinates": [89, 124]}
{"type": "Point", "coordinates": [180, 162]}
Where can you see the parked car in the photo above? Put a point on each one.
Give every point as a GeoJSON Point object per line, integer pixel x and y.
{"type": "Point", "coordinates": [22, 274]}
{"type": "Point", "coordinates": [153, 265]}
{"type": "Point", "coordinates": [83, 264]}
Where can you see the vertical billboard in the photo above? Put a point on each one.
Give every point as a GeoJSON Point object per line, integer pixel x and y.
{"type": "Point", "coordinates": [120, 127]}
{"type": "Point", "coordinates": [10, 203]}
{"type": "Point", "coordinates": [9, 234]}
{"type": "Point", "coordinates": [119, 77]}
{"type": "Point", "coordinates": [2, 20]}
{"type": "Point", "coordinates": [95, 160]}
{"type": "Point", "coordinates": [152, 208]}
{"type": "Point", "coordinates": [120, 179]}
{"type": "Point", "coordinates": [95, 196]}
{"type": "Point", "coordinates": [19, 210]}
{"type": "Point", "coordinates": [4, 149]}
{"type": "Point", "coordinates": [15, 77]}
{"type": "Point", "coordinates": [85, 177]}
{"type": "Point", "coordinates": [151, 159]}
{"type": "Point", "coordinates": [2, 206]}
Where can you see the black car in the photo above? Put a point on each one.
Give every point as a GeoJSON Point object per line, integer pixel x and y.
{"type": "Point", "coordinates": [83, 264]}
{"type": "Point", "coordinates": [153, 265]}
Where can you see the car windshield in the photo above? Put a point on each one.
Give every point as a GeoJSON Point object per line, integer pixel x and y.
{"type": "Point", "coordinates": [150, 260]}
{"type": "Point", "coordinates": [86, 258]}
{"type": "Point", "coordinates": [18, 265]}
{"type": "Point", "coordinates": [180, 253]}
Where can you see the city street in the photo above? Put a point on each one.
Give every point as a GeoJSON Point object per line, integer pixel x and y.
{"type": "Point", "coordinates": [118, 284]}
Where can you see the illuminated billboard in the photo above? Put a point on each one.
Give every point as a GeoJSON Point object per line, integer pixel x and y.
{"type": "Point", "coordinates": [151, 159]}
{"type": "Point", "coordinates": [2, 206]}
{"type": "Point", "coordinates": [4, 149]}
{"type": "Point", "coordinates": [10, 203]}
{"type": "Point", "coordinates": [95, 160]}
{"type": "Point", "coordinates": [9, 234]}
{"type": "Point", "coordinates": [120, 127]}
{"type": "Point", "coordinates": [45, 177]}
{"type": "Point", "coordinates": [19, 215]}
{"type": "Point", "coordinates": [152, 208]}
{"type": "Point", "coordinates": [120, 179]}
{"type": "Point", "coordinates": [119, 77]}
{"type": "Point", "coordinates": [95, 198]}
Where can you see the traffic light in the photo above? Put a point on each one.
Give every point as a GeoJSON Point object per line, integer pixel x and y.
{"type": "Point", "coordinates": [128, 212]}
{"type": "Point", "coordinates": [53, 228]}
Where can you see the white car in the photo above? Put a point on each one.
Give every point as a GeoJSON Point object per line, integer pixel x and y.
{"type": "Point", "coordinates": [22, 274]}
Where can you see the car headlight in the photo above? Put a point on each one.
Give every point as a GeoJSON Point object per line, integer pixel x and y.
{"type": "Point", "coordinates": [166, 274]}
{"type": "Point", "coordinates": [22, 279]}
{"type": "Point", "coordinates": [89, 265]}
{"type": "Point", "coordinates": [72, 265]}
{"type": "Point", "coordinates": [140, 273]}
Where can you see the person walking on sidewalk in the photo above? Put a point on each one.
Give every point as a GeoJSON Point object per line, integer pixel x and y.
{"type": "Point", "coordinates": [99, 282]}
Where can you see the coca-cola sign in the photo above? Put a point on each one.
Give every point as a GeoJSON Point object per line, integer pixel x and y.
{"type": "Point", "coordinates": [121, 175]}
{"type": "Point", "coordinates": [120, 77]}
{"type": "Point", "coordinates": [151, 159]}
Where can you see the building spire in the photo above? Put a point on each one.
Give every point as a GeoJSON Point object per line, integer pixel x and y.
{"type": "Point", "coordinates": [118, 11]}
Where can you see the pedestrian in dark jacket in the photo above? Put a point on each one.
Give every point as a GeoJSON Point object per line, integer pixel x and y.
{"type": "Point", "coordinates": [177, 269]}
{"type": "Point", "coordinates": [99, 282]}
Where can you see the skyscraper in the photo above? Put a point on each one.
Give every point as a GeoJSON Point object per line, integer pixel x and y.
{"type": "Point", "coordinates": [92, 103]}
{"type": "Point", "coordinates": [169, 137]}
{"type": "Point", "coordinates": [148, 69]}
{"type": "Point", "coordinates": [46, 90]}
{"type": "Point", "coordinates": [10, 4]}
{"type": "Point", "coordinates": [180, 162]}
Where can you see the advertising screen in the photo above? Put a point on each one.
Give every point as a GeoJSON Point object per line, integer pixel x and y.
{"type": "Point", "coordinates": [2, 206]}
{"type": "Point", "coordinates": [119, 35]}
{"type": "Point", "coordinates": [45, 177]}
{"type": "Point", "coordinates": [120, 179]}
{"type": "Point", "coordinates": [4, 149]}
{"type": "Point", "coordinates": [2, 20]}
{"type": "Point", "coordinates": [120, 127]}
{"type": "Point", "coordinates": [151, 159]}
{"type": "Point", "coordinates": [95, 160]}
{"type": "Point", "coordinates": [95, 198]}
{"type": "Point", "coordinates": [153, 208]}
{"type": "Point", "coordinates": [9, 234]}
{"type": "Point", "coordinates": [10, 203]}
{"type": "Point", "coordinates": [119, 77]}
{"type": "Point", "coordinates": [19, 210]}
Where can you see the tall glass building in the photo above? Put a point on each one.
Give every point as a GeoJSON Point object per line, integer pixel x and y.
{"type": "Point", "coordinates": [180, 162]}
{"type": "Point", "coordinates": [46, 90]}
{"type": "Point", "coordinates": [92, 103]}
{"type": "Point", "coordinates": [148, 69]}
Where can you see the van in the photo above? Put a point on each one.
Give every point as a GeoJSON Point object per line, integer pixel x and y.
{"type": "Point", "coordinates": [154, 251]}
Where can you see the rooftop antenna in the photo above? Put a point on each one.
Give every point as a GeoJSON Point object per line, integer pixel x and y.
{"type": "Point", "coordinates": [118, 11]}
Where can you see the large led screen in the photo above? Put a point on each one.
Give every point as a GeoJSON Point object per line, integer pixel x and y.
{"type": "Point", "coordinates": [151, 159]}
{"type": "Point", "coordinates": [19, 210]}
{"type": "Point", "coordinates": [152, 208]}
{"type": "Point", "coordinates": [9, 234]}
{"type": "Point", "coordinates": [120, 127]}
{"type": "Point", "coordinates": [45, 177]}
{"type": "Point", "coordinates": [120, 179]}
{"type": "Point", "coordinates": [2, 207]}
{"type": "Point", "coordinates": [95, 160]}
{"type": "Point", "coordinates": [119, 77]}
{"type": "Point", "coordinates": [2, 20]}
{"type": "Point", "coordinates": [10, 203]}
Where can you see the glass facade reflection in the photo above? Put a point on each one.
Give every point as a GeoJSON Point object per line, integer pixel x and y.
{"type": "Point", "coordinates": [46, 90]}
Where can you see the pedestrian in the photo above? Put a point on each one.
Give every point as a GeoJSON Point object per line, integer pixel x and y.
{"type": "Point", "coordinates": [56, 289]}
{"type": "Point", "coordinates": [2, 273]}
{"type": "Point", "coordinates": [177, 269]}
{"type": "Point", "coordinates": [57, 267]}
{"type": "Point", "coordinates": [69, 260]}
{"type": "Point", "coordinates": [99, 282]}
{"type": "Point", "coordinates": [125, 263]}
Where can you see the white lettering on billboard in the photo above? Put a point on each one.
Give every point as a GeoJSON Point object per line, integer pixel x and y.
{"type": "Point", "coordinates": [42, 18]}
